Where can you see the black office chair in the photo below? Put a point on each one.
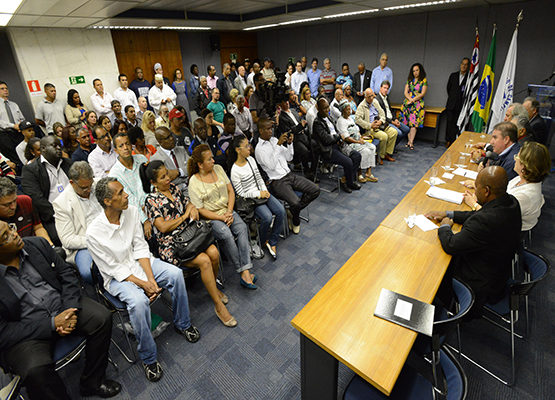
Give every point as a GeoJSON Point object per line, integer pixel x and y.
{"type": "Point", "coordinates": [11, 390]}
{"type": "Point", "coordinates": [506, 310]}
{"type": "Point", "coordinates": [333, 175]}
{"type": "Point", "coordinates": [426, 376]}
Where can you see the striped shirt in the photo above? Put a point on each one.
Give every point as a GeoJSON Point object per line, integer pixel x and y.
{"type": "Point", "coordinates": [245, 183]}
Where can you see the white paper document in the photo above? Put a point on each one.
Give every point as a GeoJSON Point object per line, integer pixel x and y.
{"type": "Point", "coordinates": [424, 223]}
{"type": "Point", "coordinates": [445, 194]}
{"type": "Point", "coordinates": [447, 175]}
{"type": "Point", "coordinates": [466, 173]}
{"type": "Point", "coordinates": [403, 309]}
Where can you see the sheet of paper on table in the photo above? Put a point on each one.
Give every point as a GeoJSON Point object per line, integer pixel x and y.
{"type": "Point", "coordinates": [447, 175]}
{"type": "Point", "coordinates": [466, 173]}
{"type": "Point", "coordinates": [424, 223]}
{"type": "Point", "coordinates": [445, 194]}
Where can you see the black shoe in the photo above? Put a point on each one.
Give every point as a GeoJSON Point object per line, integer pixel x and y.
{"type": "Point", "coordinates": [109, 388]}
{"type": "Point", "coordinates": [191, 334]}
{"type": "Point", "coordinates": [355, 186]}
{"type": "Point", "coordinates": [153, 371]}
{"type": "Point", "coordinates": [345, 187]}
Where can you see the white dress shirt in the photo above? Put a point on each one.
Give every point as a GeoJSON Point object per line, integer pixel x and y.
{"type": "Point", "coordinates": [16, 113]}
{"type": "Point", "coordinates": [297, 79]}
{"type": "Point", "coordinates": [155, 97]}
{"type": "Point", "coordinates": [273, 158]}
{"type": "Point", "coordinates": [250, 81]}
{"type": "Point", "coordinates": [102, 105]}
{"type": "Point", "coordinates": [126, 98]}
{"type": "Point", "coordinates": [58, 179]}
{"type": "Point", "coordinates": [101, 161]}
{"type": "Point", "coordinates": [117, 249]}
{"type": "Point", "coordinates": [531, 200]}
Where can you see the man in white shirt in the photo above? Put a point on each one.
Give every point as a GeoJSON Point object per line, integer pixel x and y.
{"type": "Point", "coordinates": [74, 210]}
{"type": "Point", "coordinates": [125, 95]}
{"type": "Point", "coordinates": [50, 110]}
{"type": "Point", "coordinates": [10, 118]}
{"type": "Point", "coordinates": [101, 101]}
{"type": "Point", "coordinates": [273, 155]}
{"type": "Point", "coordinates": [243, 118]}
{"type": "Point", "coordinates": [116, 242]}
{"type": "Point", "coordinates": [334, 105]}
{"type": "Point", "coordinates": [298, 78]}
{"type": "Point", "coordinates": [250, 78]}
{"type": "Point", "coordinates": [160, 94]}
{"type": "Point", "coordinates": [381, 73]}
{"type": "Point", "coordinates": [103, 157]}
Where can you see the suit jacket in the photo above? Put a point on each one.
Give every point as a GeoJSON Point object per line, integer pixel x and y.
{"type": "Point", "coordinates": [182, 158]}
{"type": "Point", "coordinates": [71, 223]}
{"type": "Point", "coordinates": [201, 101]}
{"type": "Point", "coordinates": [58, 274]}
{"type": "Point", "coordinates": [322, 135]}
{"type": "Point", "coordinates": [224, 90]}
{"type": "Point", "coordinates": [507, 161]}
{"type": "Point", "coordinates": [539, 129]}
{"type": "Point", "coordinates": [482, 251]}
{"type": "Point", "coordinates": [455, 91]}
{"type": "Point", "coordinates": [36, 184]}
{"type": "Point", "coordinates": [358, 88]}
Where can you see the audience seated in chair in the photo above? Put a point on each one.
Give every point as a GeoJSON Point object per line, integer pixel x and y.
{"type": "Point", "coordinates": [130, 272]}
{"type": "Point", "coordinates": [174, 157]}
{"type": "Point", "coordinates": [203, 135]}
{"type": "Point", "coordinates": [103, 157]}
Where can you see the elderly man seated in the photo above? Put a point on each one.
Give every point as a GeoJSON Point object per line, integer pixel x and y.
{"type": "Point", "coordinates": [368, 118]}
{"type": "Point", "coordinates": [536, 121]}
{"type": "Point", "coordinates": [116, 242]}
{"type": "Point", "coordinates": [41, 302]}
{"type": "Point", "coordinates": [174, 157]}
{"type": "Point", "coordinates": [482, 251]}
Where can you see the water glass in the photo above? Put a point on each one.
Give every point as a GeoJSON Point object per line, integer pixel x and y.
{"type": "Point", "coordinates": [412, 215]}
{"type": "Point", "coordinates": [433, 176]}
{"type": "Point", "coordinates": [462, 161]}
{"type": "Point", "coordinates": [448, 161]}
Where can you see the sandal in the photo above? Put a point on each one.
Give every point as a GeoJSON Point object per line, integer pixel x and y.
{"type": "Point", "coordinates": [371, 178]}
{"type": "Point", "coordinates": [410, 146]}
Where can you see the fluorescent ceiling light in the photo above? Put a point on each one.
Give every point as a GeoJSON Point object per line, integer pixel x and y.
{"type": "Point", "coordinates": [5, 18]}
{"type": "Point", "coordinates": [351, 13]}
{"type": "Point", "coordinates": [9, 6]}
{"type": "Point", "coordinates": [429, 3]}
{"type": "Point", "coordinates": [122, 27]}
{"type": "Point", "coordinates": [188, 28]}
{"type": "Point", "coordinates": [260, 27]}
{"type": "Point", "coordinates": [299, 21]}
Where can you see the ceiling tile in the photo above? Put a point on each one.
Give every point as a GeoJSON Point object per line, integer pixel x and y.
{"type": "Point", "coordinates": [45, 21]}
{"type": "Point", "coordinates": [64, 7]}
{"type": "Point", "coordinates": [36, 7]}
{"type": "Point", "coordinates": [23, 20]}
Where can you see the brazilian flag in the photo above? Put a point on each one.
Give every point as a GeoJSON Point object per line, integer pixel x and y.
{"type": "Point", "coordinates": [485, 91]}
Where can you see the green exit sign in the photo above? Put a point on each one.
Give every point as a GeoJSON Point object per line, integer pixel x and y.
{"type": "Point", "coordinates": [74, 80]}
{"type": "Point", "coordinates": [292, 60]}
{"type": "Point", "coordinates": [233, 56]}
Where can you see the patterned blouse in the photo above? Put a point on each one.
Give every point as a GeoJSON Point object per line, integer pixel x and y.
{"type": "Point", "coordinates": [158, 205]}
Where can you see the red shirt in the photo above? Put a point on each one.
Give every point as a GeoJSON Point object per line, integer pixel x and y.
{"type": "Point", "coordinates": [25, 217]}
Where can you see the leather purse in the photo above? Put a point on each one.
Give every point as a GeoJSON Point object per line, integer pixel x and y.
{"type": "Point", "coordinates": [194, 239]}
{"type": "Point", "coordinates": [244, 206]}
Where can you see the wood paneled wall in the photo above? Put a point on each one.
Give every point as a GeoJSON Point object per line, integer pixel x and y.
{"type": "Point", "coordinates": [144, 49]}
{"type": "Point", "coordinates": [245, 44]}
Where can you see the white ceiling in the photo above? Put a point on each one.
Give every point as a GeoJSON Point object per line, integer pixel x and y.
{"type": "Point", "coordinates": [88, 13]}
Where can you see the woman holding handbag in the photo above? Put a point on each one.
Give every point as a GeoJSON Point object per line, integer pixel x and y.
{"type": "Point", "coordinates": [169, 210]}
{"type": "Point", "coordinates": [211, 192]}
{"type": "Point", "coordinates": [248, 183]}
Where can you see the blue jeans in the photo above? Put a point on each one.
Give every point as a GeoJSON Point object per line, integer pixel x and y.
{"type": "Point", "coordinates": [265, 213]}
{"type": "Point", "coordinates": [238, 254]}
{"type": "Point", "coordinates": [83, 260]}
{"type": "Point", "coordinates": [402, 132]}
{"type": "Point", "coordinates": [138, 305]}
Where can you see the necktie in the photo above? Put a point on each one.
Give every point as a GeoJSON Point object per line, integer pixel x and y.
{"type": "Point", "coordinates": [174, 159]}
{"type": "Point", "coordinates": [9, 112]}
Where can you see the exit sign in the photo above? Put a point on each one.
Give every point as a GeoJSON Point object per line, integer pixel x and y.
{"type": "Point", "coordinates": [292, 60]}
{"type": "Point", "coordinates": [233, 56]}
{"type": "Point", "coordinates": [74, 80]}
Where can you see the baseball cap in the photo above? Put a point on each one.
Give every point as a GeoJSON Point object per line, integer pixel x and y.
{"type": "Point", "coordinates": [175, 113]}
{"type": "Point", "coordinates": [26, 125]}
{"type": "Point", "coordinates": [156, 66]}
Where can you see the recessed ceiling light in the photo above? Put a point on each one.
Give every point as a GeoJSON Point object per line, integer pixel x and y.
{"type": "Point", "coordinates": [351, 13]}
{"type": "Point", "coordinates": [429, 3]}
{"type": "Point", "coordinates": [260, 27]}
{"type": "Point", "coordinates": [187, 28]}
{"type": "Point", "coordinates": [5, 18]}
{"type": "Point", "coordinates": [9, 6]}
{"type": "Point", "coordinates": [299, 21]}
{"type": "Point", "coordinates": [121, 27]}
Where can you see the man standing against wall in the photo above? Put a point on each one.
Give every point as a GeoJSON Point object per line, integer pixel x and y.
{"type": "Point", "coordinates": [10, 118]}
{"type": "Point", "coordinates": [125, 96]}
{"type": "Point", "coordinates": [140, 85]}
{"type": "Point", "coordinates": [298, 78]}
{"type": "Point", "coordinates": [101, 101]}
{"type": "Point", "coordinates": [361, 82]}
{"type": "Point", "coordinates": [455, 90]}
{"type": "Point", "coordinates": [211, 79]}
{"type": "Point", "coordinates": [224, 84]}
{"type": "Point", "coordinates": [50, 110]}
{"type": "Point", "coordinates": [314, 77]}
{"type": "Point", "coordinates": [381, 73]}
{"type": "Point", "coordinates": [327, 79]}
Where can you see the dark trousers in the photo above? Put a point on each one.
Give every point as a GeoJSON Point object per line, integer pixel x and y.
{"type": "Point", "coordinates": [284, 189]}
{"type": "Point", "coordinates": [303, 150]}
{"type": "Point", "coordinates": [50, 227]}
{"type": "Point", "coordinates": [32, 360]}
{"type": "Point", "coordinates": [350, 164]}
{"type": "Point", "coordinates": [452, 129]}
{"type": "Point", "coordinates": [9, 139]}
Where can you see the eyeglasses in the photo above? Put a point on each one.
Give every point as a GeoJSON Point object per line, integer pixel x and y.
{"type": "Point", "coordinates": [12, 230]}
{"type": "Point", "coordinates": [247, 147]}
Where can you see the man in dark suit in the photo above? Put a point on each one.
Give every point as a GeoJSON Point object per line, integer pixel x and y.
{"type": "Point", "coordinates": [31, 270]}
{"type": "Point", "coordinates": [203, 97]}
{"type": "Point", "coordinates": [290, 122]}
{"type": "Point", "coordinates": [455, 90]}
{"type": "Point", "coordinates": [536, 121]}
{"type": "Point", "coordinates": [482, 251]}
{"type": "Point", "coordinates": [361, 82]}
{"type": "Point", "coordinates": [44, 179]}
{"type": "Point", "coordinates": [174, 157]}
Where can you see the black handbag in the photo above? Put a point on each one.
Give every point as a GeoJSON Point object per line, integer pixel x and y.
{"type": "Point", "coordinates": [244, 206]}
{"type": "Point", "coordinates": [194, 239]}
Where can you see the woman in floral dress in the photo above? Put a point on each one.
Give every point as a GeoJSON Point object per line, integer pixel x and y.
{"type": "Point", "coordinates": [412, 111]}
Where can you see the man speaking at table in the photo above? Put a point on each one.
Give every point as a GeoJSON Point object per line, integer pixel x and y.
{"type": "Point", "coordinates": [482, 251]}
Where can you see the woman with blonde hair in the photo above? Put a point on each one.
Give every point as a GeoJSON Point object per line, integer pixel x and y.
{"type": "Point", "coordinates": [148, 126]}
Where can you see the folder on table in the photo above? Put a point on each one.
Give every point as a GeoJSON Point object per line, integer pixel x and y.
{"type": "Point", "coordinates": [406, 311]}
{"type": "Point", "coordinates": [445, 194]}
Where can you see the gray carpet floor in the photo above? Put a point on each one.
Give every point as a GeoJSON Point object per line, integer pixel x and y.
{"type": "Point", "coordinates": [259, 359]}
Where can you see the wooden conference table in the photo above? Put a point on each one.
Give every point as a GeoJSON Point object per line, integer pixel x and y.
{"type": "Point", "coordinates": [432, 118]}
{"type": "Point", "coordinates": [338, 324]}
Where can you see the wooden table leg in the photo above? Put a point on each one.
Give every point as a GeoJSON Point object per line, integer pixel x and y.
{"type": "Point", "coordinates": [318, 372]}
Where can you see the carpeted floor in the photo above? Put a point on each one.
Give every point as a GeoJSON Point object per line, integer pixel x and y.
{"type": "Point", "coordinates": [259, 359]}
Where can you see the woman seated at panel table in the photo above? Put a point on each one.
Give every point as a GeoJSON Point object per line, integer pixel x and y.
{"type": "Point", "coordinates": [169, 211]}
{"type": "Point", "coordinates": [212, 194]}
{"type": "Point", "coordinates": [532, 164]}
{"type": "Point", "coordinates": [248, 183]}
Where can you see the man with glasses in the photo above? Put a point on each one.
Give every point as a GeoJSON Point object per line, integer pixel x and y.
{"type": "Point", "coordinates": [74, 210]}
{"type": "Point", "coordinates": [174, 157]}
{"type": "Point", "coordinates": [85, 146]}
{"type": "Point", "coordinates": [103, 158]}
{"type": "Point", "coordinates": [30, 270]}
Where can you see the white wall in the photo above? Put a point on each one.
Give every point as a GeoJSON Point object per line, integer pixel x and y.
{"type": "Point", "coordinates": [53, 55]}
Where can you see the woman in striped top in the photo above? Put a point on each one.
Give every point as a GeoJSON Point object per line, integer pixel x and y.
{"type": "Point", "coordinates": [248, 182]}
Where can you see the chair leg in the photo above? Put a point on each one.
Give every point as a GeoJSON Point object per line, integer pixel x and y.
{"type": "Point", "coordinates": [127, 358]}
{"type": "Point", "coordinates": [220, 279]}
{"type": "Point", "coordinates": [512, 348]}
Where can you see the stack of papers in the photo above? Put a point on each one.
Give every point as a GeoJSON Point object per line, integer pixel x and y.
{"type": "Point", "coordinates": [466, 173]}
{"type": "Point", "coordinates": [444, 194]}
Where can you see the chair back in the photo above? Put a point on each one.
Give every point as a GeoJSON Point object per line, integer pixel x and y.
{"type": "Point", "coordinates": [536, 267]}
{"type": "Point", "coordinates": [465, 299]}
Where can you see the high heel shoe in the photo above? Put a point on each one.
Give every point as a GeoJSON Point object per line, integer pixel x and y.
{"type": "Point", "coordinates": [224, 299]}
{"type": "Point", "coordinates": [231, 323]}
{"type": "Point", "coordinates": [272, 252]}
{"type": "Point", "coordinates": [246, 285]}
